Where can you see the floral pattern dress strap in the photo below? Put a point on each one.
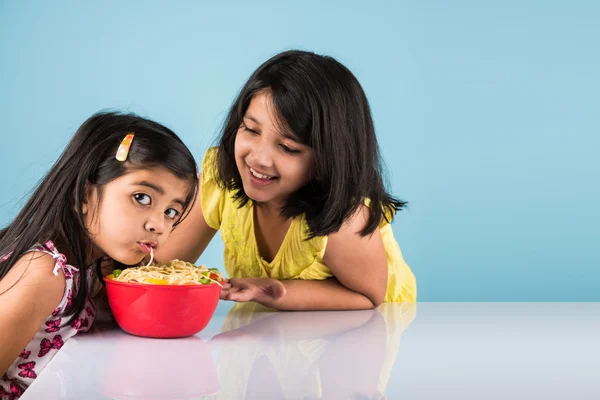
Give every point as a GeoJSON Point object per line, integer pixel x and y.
{"type": "Point", "coordinates": [59, 258]}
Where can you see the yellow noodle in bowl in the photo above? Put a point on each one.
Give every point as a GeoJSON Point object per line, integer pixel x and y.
{"type": "Point", "coordinates": [175, 272]}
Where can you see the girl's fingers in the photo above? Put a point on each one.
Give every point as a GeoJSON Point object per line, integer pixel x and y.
{"type": "Point", "coordinates": [234, 282]}
{"type": "Point", "coordinates": [241, 296]}
{"type": "Point", "coordinates": [224, 294]}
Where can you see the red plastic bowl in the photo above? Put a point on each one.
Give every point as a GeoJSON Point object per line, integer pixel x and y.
{"type": "Point", "coordinates": [162, 311]}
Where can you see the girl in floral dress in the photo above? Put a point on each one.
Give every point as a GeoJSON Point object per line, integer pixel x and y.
{"type": "Point", "coordinates": [117, 191]}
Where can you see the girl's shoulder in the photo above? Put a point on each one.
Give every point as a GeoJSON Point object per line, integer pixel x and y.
{"type": "Point", "coordinates": [43, 270]}
{"type": "Point", "coordinates": [214, 198]}
{"type": "Point", "coordinates": [60, 260]}
{"type": "Point", "coordinates": [210, 153]}
{"type": "Point", "coordinates": [349, 242]}
{"type": "Point", "coordinates": [209, 163]}
{"type": "Point", "coordinates": [37, 264]}
{"type": "Point", "coordinates": [33, 286]}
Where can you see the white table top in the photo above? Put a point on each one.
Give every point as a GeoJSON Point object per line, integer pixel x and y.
{"type": "Point", "coordinates": [423, 351]}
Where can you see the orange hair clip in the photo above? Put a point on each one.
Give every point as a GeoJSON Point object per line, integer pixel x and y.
{"type": "Point", "coordinates": [123, 150]}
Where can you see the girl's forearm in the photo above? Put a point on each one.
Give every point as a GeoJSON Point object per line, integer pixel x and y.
{"type": "Point", "coordinates": [328, 294]}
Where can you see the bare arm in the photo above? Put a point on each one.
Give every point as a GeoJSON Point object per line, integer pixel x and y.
{"type": "Point", "coordinates": [190, 238]}
{"type": "Point", "coordinates": [328, 294]}
{"type": "Point", "coordinates": [359, 265]}
{"type": "Point", "coordinates": [30, 292]}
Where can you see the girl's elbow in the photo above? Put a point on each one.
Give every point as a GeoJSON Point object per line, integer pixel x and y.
{"type": "Point", "coordinates": [376, 296]}
{"type": "Point", "coordinates": [378, 299]}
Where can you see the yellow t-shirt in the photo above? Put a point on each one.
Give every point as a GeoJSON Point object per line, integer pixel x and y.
{"type": "Point", "coordinates": [297, 258]}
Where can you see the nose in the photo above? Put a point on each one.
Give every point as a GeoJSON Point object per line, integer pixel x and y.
{"type": "Point", "coordinates": [260, 155]}
{"type": "Point", "coordinates": [156, 223]}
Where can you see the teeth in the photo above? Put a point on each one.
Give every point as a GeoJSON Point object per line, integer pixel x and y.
{"type": "Point", "coordinates": [260, 176]}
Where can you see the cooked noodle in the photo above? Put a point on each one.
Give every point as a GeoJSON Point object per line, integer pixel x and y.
{"type": "Point", "coordinates": [175, 272]}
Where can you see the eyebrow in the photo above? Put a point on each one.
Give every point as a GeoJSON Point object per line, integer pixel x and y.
{"type": "Point", "coordinates": [251, 118]}
{"type": "Point", "coordinates": [285, 133]}
{"type": "Point", "coordinates": [159, 190]}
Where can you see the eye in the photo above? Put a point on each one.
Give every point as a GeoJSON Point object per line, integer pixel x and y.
{"type": "Point", "coordinates": [288, 149]}
{"type": "Point", "coordinates": [251, 131]}
{"type": "Point", "coordinates": [143, 199]}
{"type": "Point", "coordinates": [172, 213]}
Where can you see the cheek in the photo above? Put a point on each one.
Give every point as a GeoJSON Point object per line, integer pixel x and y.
{"type": "Point", "coordinates": [117, 216]}
{"type": "Point", "coordinates": [165, 236]}
{"type": "Point", "coordinates": [243, 144]}
{"type": "Point", "coordinates": [237, 148]}
{"type": "Point", "coordinates": [300, 171]}
{"type": "Point", "coordinates": [113, 209]}
{"type": "Point", "coordinates": [240, 152]}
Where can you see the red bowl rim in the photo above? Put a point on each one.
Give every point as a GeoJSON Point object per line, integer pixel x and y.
{"type": "Point", "coordinates": [170, 287]}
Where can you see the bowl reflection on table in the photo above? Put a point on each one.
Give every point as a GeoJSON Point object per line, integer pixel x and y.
{"type": "Point", "coordinates": [143, 368]}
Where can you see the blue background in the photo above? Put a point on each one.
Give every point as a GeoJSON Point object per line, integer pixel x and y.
{"type": "Point", "coordinates": [487, 114]}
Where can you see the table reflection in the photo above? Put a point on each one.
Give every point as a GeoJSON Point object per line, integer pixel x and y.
{"type": "Point", "coordinates": [264, 354]}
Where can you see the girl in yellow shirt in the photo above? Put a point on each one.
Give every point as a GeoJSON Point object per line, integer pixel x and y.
{"type": "Point", "coordinates": [295, 188]}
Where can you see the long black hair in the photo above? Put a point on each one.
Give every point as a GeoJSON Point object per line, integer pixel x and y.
{"type": "Point", "coordinates": [54, 210]}
{"type": "Point", "coordinates": [324, 105]}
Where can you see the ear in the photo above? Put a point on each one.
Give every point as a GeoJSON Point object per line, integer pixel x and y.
{"type": "Point", "coordinates": [89, 197]}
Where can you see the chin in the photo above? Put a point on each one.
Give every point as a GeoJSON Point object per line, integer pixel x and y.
{"type": "Point", "coordinates": [129, 260]}
{"type": "Point", "coordinates": [258, 197]}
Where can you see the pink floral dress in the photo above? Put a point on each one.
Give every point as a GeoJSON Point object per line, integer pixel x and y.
{"type": "Point", "coordinates": [53, 334]}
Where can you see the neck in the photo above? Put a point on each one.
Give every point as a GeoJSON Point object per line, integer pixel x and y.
{"type": "Point", "coordinates": [270, 210]}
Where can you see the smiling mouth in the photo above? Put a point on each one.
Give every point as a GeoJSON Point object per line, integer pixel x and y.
{"type": "Point", "coordinates": [261, 176]}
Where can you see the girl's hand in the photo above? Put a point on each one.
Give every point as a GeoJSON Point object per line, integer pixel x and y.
{"type": "Point", "coordinates": [260, 290]}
